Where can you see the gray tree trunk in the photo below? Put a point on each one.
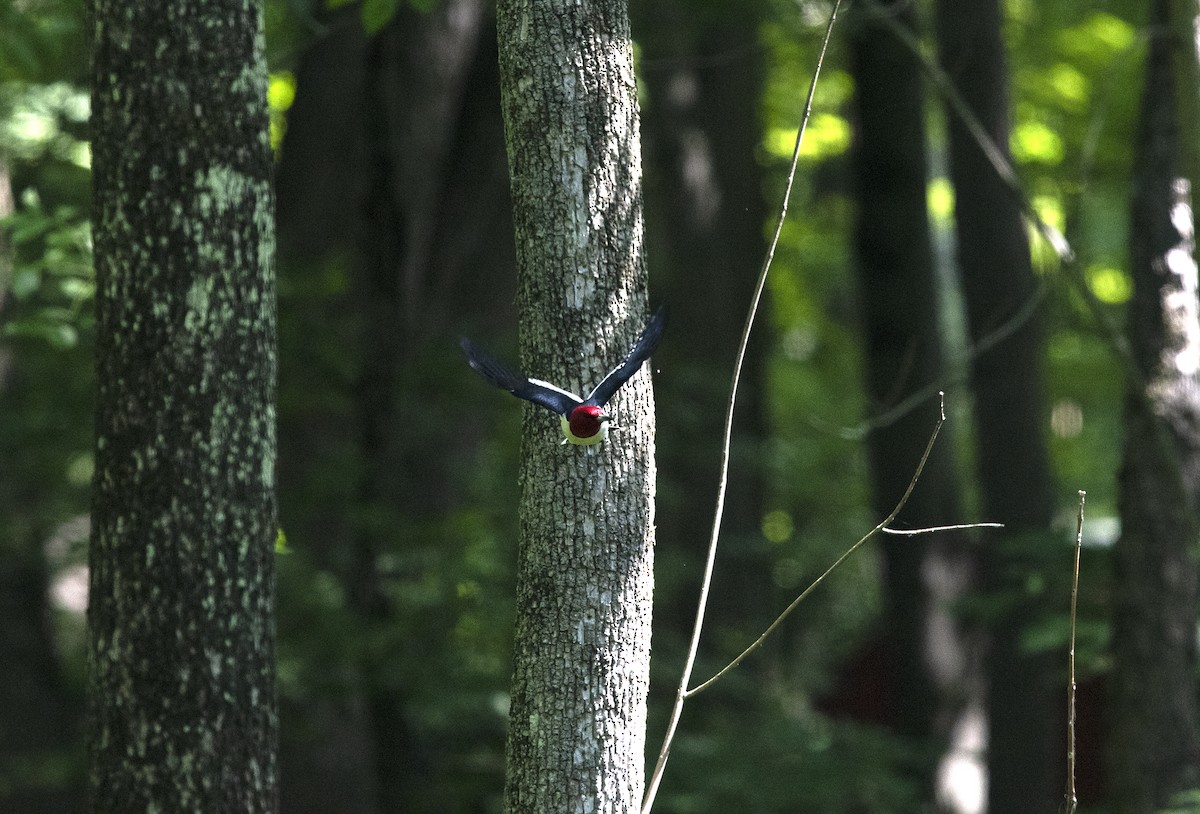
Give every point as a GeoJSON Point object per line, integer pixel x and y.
{"type": "Point", "coordinates": [1155, 744]}
{"type": "Point", "coordinates": [181, 626]}
{"type": "Point", "coordinates": [581, 657]}
{"type": "Point", "coordinates": [1013, 459]}
{"type": "Point", "coordinates": [932, 666]}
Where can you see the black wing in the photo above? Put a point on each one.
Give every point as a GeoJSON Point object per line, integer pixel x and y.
{"type": "Point", "coordinates": [645, 345]}
{"type": "Point", "coordinates": [539, 392]}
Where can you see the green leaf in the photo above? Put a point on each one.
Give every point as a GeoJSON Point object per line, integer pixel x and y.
{"type": "Point", "coordinates": [30, 228]}
{"type": "Point", "coordinates": [58, 335]}
{"type": "Point", "coordinates": [378, 13]}
{"type": "Point", "coordinates": [25, 281]}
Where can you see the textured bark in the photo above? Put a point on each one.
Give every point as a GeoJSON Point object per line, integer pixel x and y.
{"type": "Point", "coordinates": [1007, 379]}
{"type": "Point", "coordinates": [930, 660]}
{"type": "Point", "coordinates": [181, 626]}
{"type": "Point", "coordinates": [581, 657]}
{"type": "Point", "coordinates": [1155, 744]}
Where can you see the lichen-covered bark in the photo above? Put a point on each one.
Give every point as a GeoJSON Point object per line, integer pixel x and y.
{"type": "Point", "coordinates": [581, 660]}
{"type": "Point", "coordinates": [1155, 745]}
{"type": "Point", "coordinates": [181, 630]}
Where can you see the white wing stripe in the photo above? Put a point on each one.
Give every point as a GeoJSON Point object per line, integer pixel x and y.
{"type": "Point", "coordinates": [549, 386]}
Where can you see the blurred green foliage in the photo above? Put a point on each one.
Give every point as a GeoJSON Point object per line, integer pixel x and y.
{"type": "Point", "coordinates": [447, 575]}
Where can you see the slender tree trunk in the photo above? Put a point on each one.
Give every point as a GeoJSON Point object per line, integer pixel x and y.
{"type": "Point", "coordinates": [327, 746]}
{"type": "Point", "coordinates": [930, 658]}
{"type": "Point", "coordinates": [40, 709]}
{"type": "Point", "coordinates": [416, 159]}
{"type": "Point", "coordinates": [1012, 458]}
{"type": "Point", "coordinates": [181, 622]}
{"type": "Point", "coordinates": [702, 78]}
{"type": "Point", "coordinates": [418, 71]}
{"type": "Point", "coordinates": [581, 657]}
{"type": "Point", "coordinates": [1156, 746]}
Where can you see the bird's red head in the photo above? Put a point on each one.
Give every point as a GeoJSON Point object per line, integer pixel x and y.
{"type": "Point", "coordinates": [586, 420]}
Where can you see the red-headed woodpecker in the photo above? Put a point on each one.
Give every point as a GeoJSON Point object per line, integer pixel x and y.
{"type": "Point", "coordinates": [583, 420]}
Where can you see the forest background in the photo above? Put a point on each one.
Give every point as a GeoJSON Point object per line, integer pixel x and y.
{"type": "Point", "coordinates": [398, 469]}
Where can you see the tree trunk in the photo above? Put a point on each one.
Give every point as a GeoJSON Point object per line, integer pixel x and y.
{"type": "Point", "coordinates": [1012, 458]}
{"type": "Point", "coordinates": [327, 749]}
{"type": "Point", "coordinates": [581, 657]}
{"type": "Point", "coordinates": [930, 663]}
{"type": "Point", "coordinates": [1155, 744]}
{"type": "Point", "coordinates": [702, 78]}
{"type": "Point", "coordinates": [420, 228]}
{"type": "Point", "coordinates": [181, 625]}
{"type": "Point", "coordinates": [418, 91]}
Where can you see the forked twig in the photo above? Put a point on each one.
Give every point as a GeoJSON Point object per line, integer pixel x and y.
{"type": "Point", "coordinates": [882, 528]}
{"type": "Point", "coordinates": [760, 284]}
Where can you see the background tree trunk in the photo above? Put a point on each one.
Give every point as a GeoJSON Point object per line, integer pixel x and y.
{"type": "Point", "coordinates": [930, 663]}
{"type": "Point", "coordinates": [38, 708]}
{"type": "Point", "coordinates": [181, 622]}
{"type": "Point", "coordinates": [702, 85]}
{"type": "Point", "coordinates": [419, 97]}
{"type": "Point", "coordinates": [581, 657]}
{"type": "Point", "coordinates": [1007, 380]}
{"type": "Point", "coordinates": [327, 747]}
{"type": "Point", "coordinates": [395, 230]}
{"type": "Point", "coordinates": [1155, 744]}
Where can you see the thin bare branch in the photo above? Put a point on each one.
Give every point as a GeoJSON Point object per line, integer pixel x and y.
{"type": "Point", "coordinates": [995, 156]}
{"type": "Point", "coordinates": [916, 399]}
{"type": "Point", "coordinates": [845, 555]}
{"type": "Point", "coordinates": [1070, 801]}
{"type": "Point", "coordinates": [1113, 334]}
{"type": "Point", "coordinates": [706, 582]}
{"type": "Point", "coordinates": [933, 529]}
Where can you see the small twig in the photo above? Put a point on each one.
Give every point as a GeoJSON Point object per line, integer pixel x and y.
{"type": "Point", "coordinates": [1070, 801]}
{"type": "Point", "coordinates": [804, 594]}
{"type": "Point", "coordinates": [932, 529]}
{"type": "Point", "coordinates": [760, 284]}
{"type": "Point", "coordinates": [1058, 242]}
{"type": "Point", "coordinates": [991, 151]}
{"type": "Point", "coordinates": [914, 400]}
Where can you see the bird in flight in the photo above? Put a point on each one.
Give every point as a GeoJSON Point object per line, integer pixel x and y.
{"type": "Point", "coordinates": [584, 421]}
